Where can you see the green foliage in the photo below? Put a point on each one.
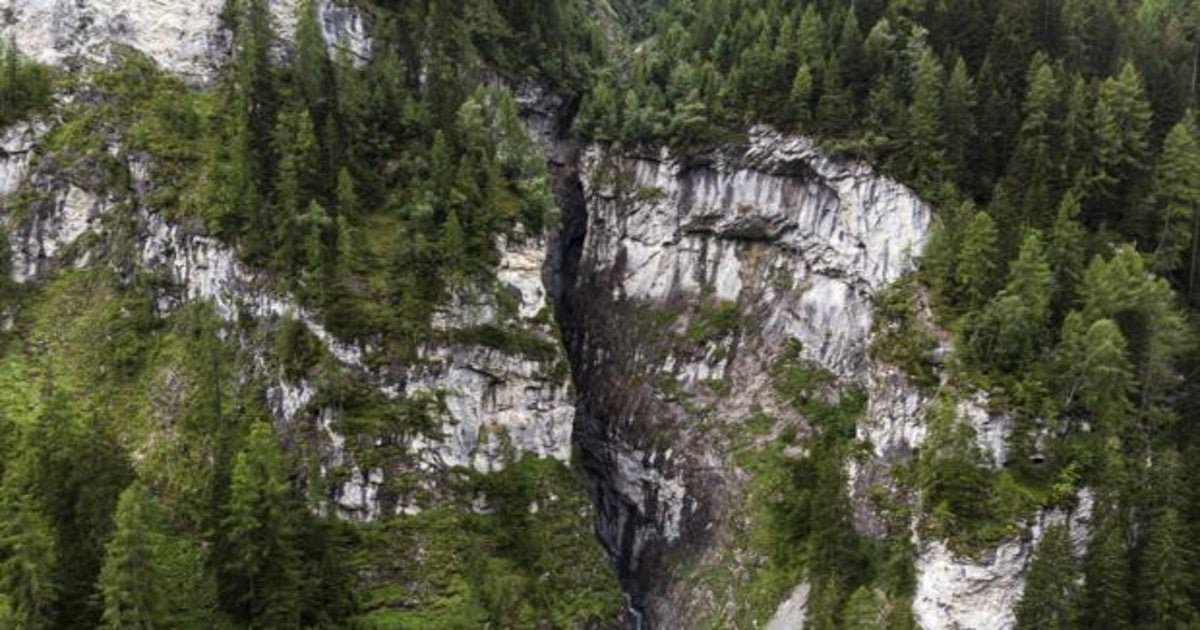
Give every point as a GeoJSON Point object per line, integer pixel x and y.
{"type": "Point", "coordinates": [28, 558]}
{"type": "Point", "coordinates": [901, 336]}
{"type": "Point", "coordinates": [24, 86]}
{"type": "Point", "coordinates": [1050, 598]}
{"type": "Point", "coordinates": [258, 556]}
{"type": "Point", "coordinates": [528, 560]}
{"type": "Point", "coordinates": [715, 321]}
{"type": "Point", "coordinates": [150, 578]}
{"type": "Point", "coordinates": [1106, 577]}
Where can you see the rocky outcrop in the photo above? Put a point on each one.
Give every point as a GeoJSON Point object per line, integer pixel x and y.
{"type": "Point", "coordinates": [677, 282]}
{"type": "Point", "coordinates": [497, 404]}
{"type": "Point", "coordinates": [694, 275]}
{"type": "Point", "coordinates": [185, 37]}
{"type": "Point", "coordinates": [982, 593]}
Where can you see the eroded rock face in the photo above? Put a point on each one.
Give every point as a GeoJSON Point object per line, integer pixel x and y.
{"type": "Point", "coordinates": [183, 36]}
{"type": "Point", "coordinates": [694, 276]}
{"type": "Point", "coordinates": [982, 593]}
{"type": "Point", "coordinates": [499, 404]}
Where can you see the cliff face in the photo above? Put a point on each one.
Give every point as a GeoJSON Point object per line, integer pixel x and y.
{"type": "Point", "coordinates": [184, 38]}
{"type": "Point", "coordinates": [677, 284]}
{"type": "Point", "coordinates": [696, 275]}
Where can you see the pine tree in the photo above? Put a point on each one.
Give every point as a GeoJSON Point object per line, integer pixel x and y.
{"type": "Point", "coordinates": [1066, 253]}
{"type": "Point", "coordinates": [313, 68]}
{"type": "Point", "coordinates": [1050, 599]}
{"type": "Point", "coordinates": [28, 559]}
{"type": "Point", "coordinates": [976, 272]}
{"type": "Point", "coordinates": [1122, 289]}
{"type": "Point", "coordinates": [151, 579]}
{"type": "Point", "coordinates": [259, 568]}
{"type": "Point", "coordinates": [1175, 201]}
{"type": "Point", "coordinates": [1165, 578]}
{"type": "Point", "coordinates": [813, 42]}
{"type": "Point", "coordinates": [1030, 277]}
{"type": "Point", "coordinates": [835, 109]}
{"type": "Point", "coordinates": [1106, 575]}
{"type": "Point", "coordinates": [257, 85]}
{"type": "Point", "coordinates": [1033, 173]}
{"type": "Point", "coordinates": [958, 122]}
{"type": "Point", "coordinates": [800, 98]}
{"type": "Point", "coordinates": [925, 137]}
{"type": "Point", "coordinates": [1106, 378]}
{"type": "Point", "coordinates": [1077, 132]}
{"type": "Point", "coordinates": [1122, 126]}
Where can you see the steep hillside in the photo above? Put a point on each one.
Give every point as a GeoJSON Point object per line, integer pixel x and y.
{"type": "Point", "coordinates": [596, 314]}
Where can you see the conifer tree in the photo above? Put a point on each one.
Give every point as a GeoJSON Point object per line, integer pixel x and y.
{"type": "Point", "coordinates": [1175, 201]}
{"type": "Point", "coordinates": [800, 98]}
{"type": "Point", "coordinates": [925, 138]}
{"type": "Point", "coordinates": [1106, 377]}
{"type": "Point", "coordinates": [1166, 578]}
{"type": "Point", "coordinates": [256, 82]}
{"type": "Point", "coordinates": [259, 569]}
{"type": "Point", "coordinates": [28, 559]}
{"type": "Point", "coordinates": [313, 68]}
{"type": "Point", "coordinates": [835, 109]}
{"type": "Point", "coordinates": [812, 39]}
{"type": "Point", "coordinates": [976, 272]}
{"type": "Point", "coordinates": [1076, 132]}
{"type": "Point", "coordinates": [1050, 598]}
{"type": "Point", "coordinates": [151, 579]}
{"type": "Point", "coordinates": [1106, 578]}
{"type": "Point", "coordinates": [1066, 253]}
{"type": "Point", "coordinates": [1121, 127]}
{"type": "Point", "coordinates": [1035, 164]}
{"type": "Point", "coordinates": [348, 204]}
{"type": "Point", "coordinates": [958, 122]}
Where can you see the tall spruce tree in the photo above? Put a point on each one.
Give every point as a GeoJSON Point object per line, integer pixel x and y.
{"type": "Point", "coordinates": [1174, 206]}
{"type": "Point", "coordinates": [1050, 598]}
{"type": "Point", "coordinates": [260, 567]}
{"type": "Point", "coordinates": [1106, 602]}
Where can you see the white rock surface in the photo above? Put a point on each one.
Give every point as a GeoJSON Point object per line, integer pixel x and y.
{"type": "Point", "coordinates": [182, 36]}
{"type": "Point", "coordinates": [980, 594]}
{"type": "Point", "coordinates": [677, 227]}
{"type": "Point", "coordinates": [499, 405]}
{"type": "Point", "coordinates": [790, 615]}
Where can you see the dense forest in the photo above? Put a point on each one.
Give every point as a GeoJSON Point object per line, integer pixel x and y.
{"type": "Point", "coordinates": [1058, 141]}
{"type": "Point", "coordinates": [1059, 144]}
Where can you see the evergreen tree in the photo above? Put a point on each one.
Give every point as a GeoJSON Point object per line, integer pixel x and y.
{"type": "Point", "coordinates": [1121, 126]}
{"type": "Point", "coordinates": [812, 39]}
{"type": "Point", "coordinates": [1077, 132]}
{"type": "Point", "coordinates": [28, 558]}
{"type": "Point", "coordinates": [976, 272]}
{"type": "Point", "coordinates": [1033, 174]}
{"type": "Point", "coordinates": [1165, 578]}
{"type": "Point", "coordinates": [958, 116]}
{"type": "Point", "coordinates": [925, 139]}
{"type": "Point", "coordinates": [1123, 290]}
{"type": "Point", "coordinates": [1106, 575]}
{"type": "Point", "coordinates": [835, 109]}
{"type": "Point", "coordinates": [800, 99]}
{"type": "Point", "coordinates": [259, 570]}
{"type": "Point", "coordinates": [1175, 199]}
{"type": "Point", "coordinates": [131, 581]}
{"type": "Point", "coordinates": [151, 579]}
{"type": "Point", "coordinates": [1050, 599]}
{"type": "Point", "coordinates": [1066, 253]}
{"type": "Point", "coordinates": [1106, 378]}
{"type": "Point", "coordinates": [257, 85]}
